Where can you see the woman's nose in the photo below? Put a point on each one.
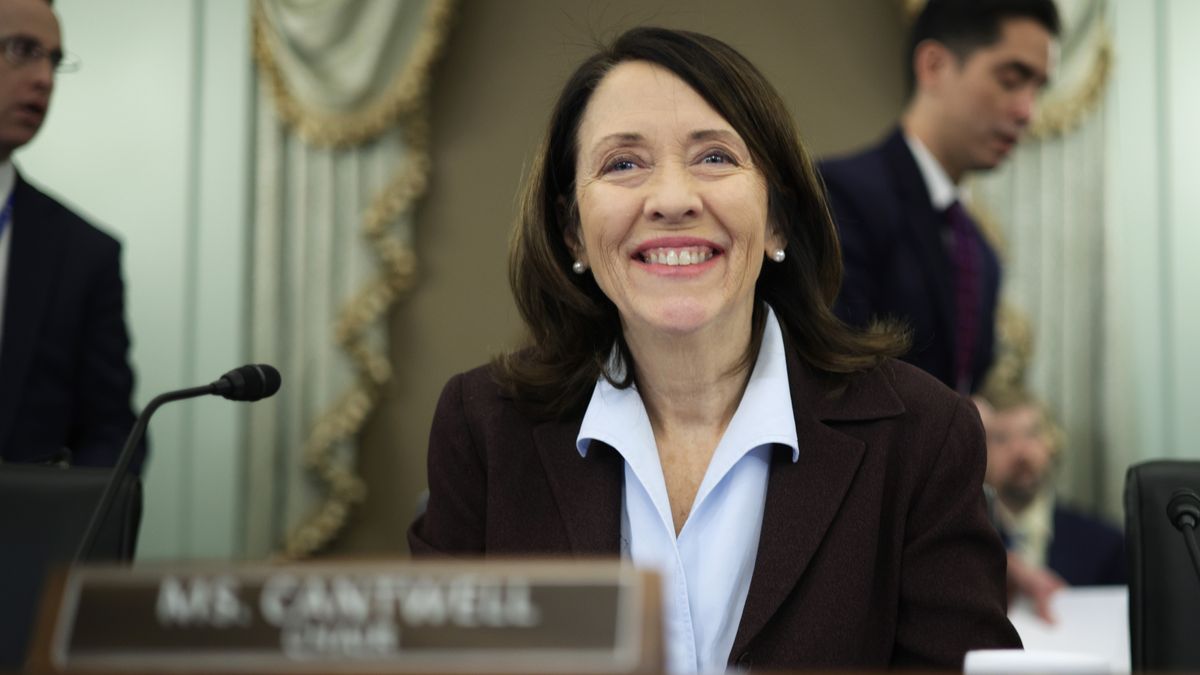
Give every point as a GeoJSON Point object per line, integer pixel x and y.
{"type": "Point", "coordinates": [673, 196]}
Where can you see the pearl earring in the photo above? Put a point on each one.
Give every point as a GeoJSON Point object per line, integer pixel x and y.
{"type": "Point", "coordinates": [578, 267]}
{"type": "Point", "coordinates": [778, 255]}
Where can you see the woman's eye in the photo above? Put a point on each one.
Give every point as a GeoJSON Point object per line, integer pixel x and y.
{"type": "Point", "coordinates": [716, 157]}
{"type": "Point", "coordinates": [619, 165]}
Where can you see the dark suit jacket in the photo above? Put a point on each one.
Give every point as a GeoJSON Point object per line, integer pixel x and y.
{"type": "Point", "coordinates": [1086, 551]}
{"type": "Point", "coordinates": [875, 550]}
{"type": "Point", "coordinates": [65, 381]}
{"type": "Point", "coordinates": [896, 262]}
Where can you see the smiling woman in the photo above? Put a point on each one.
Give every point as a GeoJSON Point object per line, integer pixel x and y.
{"type": "Point", "coordinates": [686, 383]}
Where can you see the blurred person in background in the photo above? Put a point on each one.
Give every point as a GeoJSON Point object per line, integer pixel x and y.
{"type": "Point", "coordinates": [1024, 451]}
{"type": "Point", "coordinates": [912, 252]}
{"type": "Point", "coordinates": [65, 380]}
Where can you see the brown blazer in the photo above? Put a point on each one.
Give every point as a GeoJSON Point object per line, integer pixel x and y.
{"type": "Point", "coordinates": [875, 551]}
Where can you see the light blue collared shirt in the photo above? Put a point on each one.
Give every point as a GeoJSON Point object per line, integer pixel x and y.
{"type": "Point", "coordinates": [706, 570]}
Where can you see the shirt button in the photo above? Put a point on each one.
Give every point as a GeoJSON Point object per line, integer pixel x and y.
{"type": "Point", "coordinates": [744, 661]}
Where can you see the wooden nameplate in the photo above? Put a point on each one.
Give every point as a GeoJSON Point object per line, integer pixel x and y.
{"type": "Point", "coordinates": [407, 617]}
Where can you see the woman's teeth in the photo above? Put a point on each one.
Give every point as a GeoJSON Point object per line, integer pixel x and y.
{"type": "Point", "coordinates": [693, 255]}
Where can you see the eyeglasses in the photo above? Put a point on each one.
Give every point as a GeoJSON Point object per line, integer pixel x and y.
{"type": "Point", "coordinates": [20, 50]}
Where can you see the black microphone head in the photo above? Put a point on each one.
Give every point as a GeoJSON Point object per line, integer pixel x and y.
{"type": "Point", "coordinates": [1184, 508]}
{"type": "Point", "coordinates": [249, 383]}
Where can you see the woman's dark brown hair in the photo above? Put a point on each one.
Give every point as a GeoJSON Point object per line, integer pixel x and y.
{"type": "Point", "coordinates": [574, 326]}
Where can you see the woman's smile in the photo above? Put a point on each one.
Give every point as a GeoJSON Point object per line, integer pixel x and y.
{"type": "Point", "coordinates": [677, 256]}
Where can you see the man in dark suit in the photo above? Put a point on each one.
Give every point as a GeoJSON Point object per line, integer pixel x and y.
{"type": "Point", "coordinates": [911, 252]}
{"type": "Point", "coordinates": [65, 381]}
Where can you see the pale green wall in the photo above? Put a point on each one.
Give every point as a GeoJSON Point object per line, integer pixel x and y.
{"type": "Point", "coordinates": [1153, 236]}
{"type": "Point", "coordinates": [1181, 148]}
{"type": "Point", "coordinates": [150, 139]}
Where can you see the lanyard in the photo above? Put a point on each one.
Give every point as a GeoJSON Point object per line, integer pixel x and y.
{"type": "Point", "coordinates": [6, 214]}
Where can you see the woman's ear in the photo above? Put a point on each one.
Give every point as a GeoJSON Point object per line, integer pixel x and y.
{"type": "Point", "coordinates": [566, 215]}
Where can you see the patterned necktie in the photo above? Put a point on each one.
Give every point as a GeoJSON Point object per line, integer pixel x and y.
{"type": "Point", "coordinates": [966, 293]}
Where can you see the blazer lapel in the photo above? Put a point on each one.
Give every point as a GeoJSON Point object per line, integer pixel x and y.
{"type": "Point", "coordinates": [804, 497]}
{"type": "Point", "coordinates": [587, 489]}
{"type": "Point", "coordinates": [926, 227]}
{"type": "Point", "coordinates": [34, 259]}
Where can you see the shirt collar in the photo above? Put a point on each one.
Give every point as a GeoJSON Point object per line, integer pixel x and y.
{"type": "Point", "coordinates": [764, 415]}
{"type": "Point", "coordinates": [942, 191]}
{"type": "Point", "coordinates": [1037, 519]}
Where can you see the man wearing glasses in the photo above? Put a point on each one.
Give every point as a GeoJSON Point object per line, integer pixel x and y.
{"type": "Point", "coordinates": [65, 380]}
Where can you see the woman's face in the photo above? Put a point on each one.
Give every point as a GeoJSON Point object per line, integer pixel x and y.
{"type": "Point", "coordinates": [673, 212]}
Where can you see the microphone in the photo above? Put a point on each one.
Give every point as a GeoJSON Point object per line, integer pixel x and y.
{"type": "Point", "coordinates": [248, 383]}
{"type": "Point", "coordinates": [1184, 511]}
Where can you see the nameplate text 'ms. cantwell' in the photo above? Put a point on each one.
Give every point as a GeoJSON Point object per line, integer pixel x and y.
{"type": "Point", "coordinates": [410, 616]}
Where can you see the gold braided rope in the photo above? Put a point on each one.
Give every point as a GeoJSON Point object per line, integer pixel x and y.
{"type": "Point", "coordinates": [404, 104]}
{"type": "Point", "coordinates": [1063, 115]}
{"type": "Point", "coordinates": [912, 8]}
{"type": "Point", "coordinates": [405, 96]}
{"type": "Point", "coordinates": [1006, 379]}
{"type": "Point", "coordinates": [343, 421]}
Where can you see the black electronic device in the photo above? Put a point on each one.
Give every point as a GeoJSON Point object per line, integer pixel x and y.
{"type": "Point", "coordinates": [1162, 513]}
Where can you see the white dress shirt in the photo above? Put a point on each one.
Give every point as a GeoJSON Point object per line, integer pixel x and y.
{"type": "Point", "coordinates": [706, 570]}
{"type": "Point", "coordinates": [942, 191]}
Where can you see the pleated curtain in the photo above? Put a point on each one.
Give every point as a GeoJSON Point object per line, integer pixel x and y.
{"type": "Point", "coordinates": [340, 157]}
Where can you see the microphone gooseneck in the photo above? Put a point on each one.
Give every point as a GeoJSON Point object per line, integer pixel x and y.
{"type": "Point", "coordinates": [248, 383]}
{"type": "Point", "coordinates": [1184, 511]}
